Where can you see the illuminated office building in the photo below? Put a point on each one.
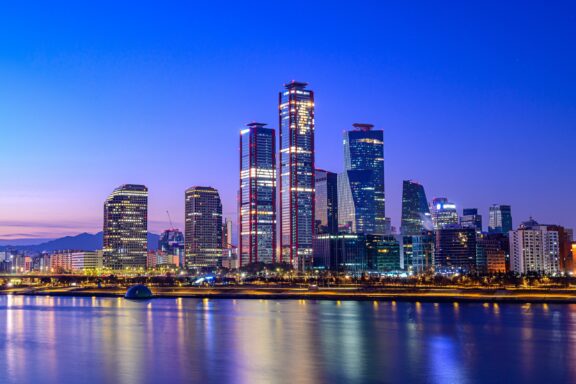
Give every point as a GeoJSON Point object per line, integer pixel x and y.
{"type": "Point", "coordinates": [416, 218]}
{"type": "Point", "coordinates": [492, 251]}
{"type": "Point", "coordinates": [296, 177]}
{"type": "Point", "coordinates": [340, 253]}
{"type": "Point", "coordinates": [361, 201]}
{"type": "Point", "coordinates": [257, 194]}
{"type": "Point", "coordinates": [126, 228]}
{"type": "Point", "coordinates": [203, 227]}
{"type": "Point", "coordinates": [383, 253]}
{"type": "Point", "coordinates": [500, 219]}
{"type": "Point", "coordinates": [444, 213]}
{"type": "Point", "coordinates": [326, 205]}
{"type": "Point", "coordinates": [86, 260]}
{"type": "Point", "coordinates": [455, 249]}
{"type": "Point", "coordinates": [418, 252]}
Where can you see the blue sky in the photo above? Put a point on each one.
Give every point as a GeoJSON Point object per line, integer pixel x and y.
{"type": "Point", "coordinates": [477, 100]}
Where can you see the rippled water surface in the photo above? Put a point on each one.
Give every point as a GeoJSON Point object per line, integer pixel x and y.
{"type": "Point", "coordinates": [107, 340]}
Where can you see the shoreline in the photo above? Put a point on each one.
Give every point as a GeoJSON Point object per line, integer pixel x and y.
{"type": "Point", "coordinates": [427, 295]}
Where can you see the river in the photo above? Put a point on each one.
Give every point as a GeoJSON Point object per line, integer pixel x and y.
{"type": "Point", "coordinates": [113, 340]}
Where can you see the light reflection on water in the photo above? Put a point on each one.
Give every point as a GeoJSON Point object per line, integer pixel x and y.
{"type": "Point", "coordinates": [107, 340]}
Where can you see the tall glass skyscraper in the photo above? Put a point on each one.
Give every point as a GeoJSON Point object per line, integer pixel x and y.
{"type": "Point", "coordinates": [361, 201]}
{"type": "Point", "coordinates": [326, 202]}
{"type": "Point", "coordinates": [203, 227]}
{"type": "Point", "coordinates": [126, 227]}
{"type": "Point", "coordinates": [416, 216]}
{"type": "Point", "coordinates": [500, 219]}
{"type": "Point", "coordinates": [297, 193]}
{"type": "Point", "coordinates": [257, 194]}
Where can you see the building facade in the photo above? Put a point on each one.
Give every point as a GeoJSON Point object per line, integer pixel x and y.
{"type": "Point", "coordinates": [326, 205]}
{"type": "Point", "coordinates": [492, 251]}
{"type": "Point", "coordinates": [471, 219]}
{"type": "Point", "coordinates": [416, 218]}
{"type": "Point", "coordinates": [340, 253]}
{"type": "Point", "coordinates": [86, 260]}
{"type": "Point", "coordinates": [227, 240]}
{"type": "Point", "coordinates": [418, 252]}
{"type": "Point", "coordinates": [126, 228]}
{"type": "Point", "coordinates": [455, 249]}
{"type": "Point", "coordinates": [297, 194]}
{"type": "Point", "coordinates": [171, 243]}
{"type": "Point", "coordinates": [203, 227]}
{"type": "Point", "coordinates": [500, 219]}
{"type": "Point", "coordinates": [444, 213]}
{"type": "Point", "coordinates": [361, 198]}
{"type": "Point", "coordinates": [257, 195]}
{"type": "Point", "coordinates": [534, 248]}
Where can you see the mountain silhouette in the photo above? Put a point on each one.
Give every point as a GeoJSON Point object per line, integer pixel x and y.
{"type": "Point", "coordinates": [83, 241]}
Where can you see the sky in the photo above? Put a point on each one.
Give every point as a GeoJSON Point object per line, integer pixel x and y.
{"type": "Point", "coordinates": [477, 100]}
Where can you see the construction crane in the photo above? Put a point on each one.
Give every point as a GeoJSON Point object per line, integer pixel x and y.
{"type": "Point", "coordinates": [170, 219]}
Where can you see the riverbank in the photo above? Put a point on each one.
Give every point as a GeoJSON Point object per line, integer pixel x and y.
{"type": "Point", "coordinates": [384, 294]}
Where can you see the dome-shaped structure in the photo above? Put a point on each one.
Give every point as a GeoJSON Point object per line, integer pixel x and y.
{"type": "Point", "coordinates": [139, 291]}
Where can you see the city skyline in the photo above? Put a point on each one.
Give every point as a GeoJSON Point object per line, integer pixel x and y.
{"type": "Point", "coordinates": [491, 115]}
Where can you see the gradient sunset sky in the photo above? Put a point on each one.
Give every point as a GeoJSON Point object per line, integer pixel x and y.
{"type": "Point", "coordinates": [477, 100]}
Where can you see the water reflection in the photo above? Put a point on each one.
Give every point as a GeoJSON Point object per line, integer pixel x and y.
{"type": "Point", "coordinates": [104, 340]}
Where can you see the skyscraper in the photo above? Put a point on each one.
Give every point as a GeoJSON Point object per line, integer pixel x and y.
{"type": "Point", "coordinates": [416, 216]}
{"type": "Point", "coordinates": [257, 194]}
{"type": "Point", "coordinates": [126, 228]}
{"type": "Point", "coordinates": [326, 202]}
{"type": "Point", "coordinates": [500, 219]}
{"type": "Point", "coordinates": [444, 213]}
{"type": "Point", "coordinates": [534, 248]}
{"type": "Point", "coordinates": [361, 201]}
{"type": "Point", "coordinates": [471, 219]}
{"type": "Point", "coordinates": [296, 177]}
{"type": "Point", "coordinates": [203, 227]}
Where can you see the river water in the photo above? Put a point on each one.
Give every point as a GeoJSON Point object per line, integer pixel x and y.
{"type": "Point", "coordinates": [112, 340]}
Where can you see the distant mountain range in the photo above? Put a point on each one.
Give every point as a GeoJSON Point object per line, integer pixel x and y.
{"type": "Point", "coordinates": [83, 241]}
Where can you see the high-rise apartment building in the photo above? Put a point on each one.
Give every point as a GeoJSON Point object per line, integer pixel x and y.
{"type": "Point", "coordinates": [126, 228]}
{"type": "Point", "coordinates": [203, 227]}
{"type": "Point", "coordinates": [297, 194]}
{"type": "Point", "coordinates": [361, 199]}
{"type": "Point", "coordinates": [444, 213]}
{"type": "Point", "coordinates": [534, 248]}
{"type": "Point", "coordinates": [500, 219]}
{"type": "Point", "coordinates": [565, 262]}
{"type": "Point", "coordinates": [416, 217]}
{"type": "Point", "coordinates": [471, 219]}
{"type": "Point", "coordinates": [257, 223]}
{"type": "Point", "coordinates": [326, 205]}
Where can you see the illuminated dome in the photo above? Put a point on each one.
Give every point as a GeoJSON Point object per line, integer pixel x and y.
{"type": "Point", "coordinates": [138, 292]}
